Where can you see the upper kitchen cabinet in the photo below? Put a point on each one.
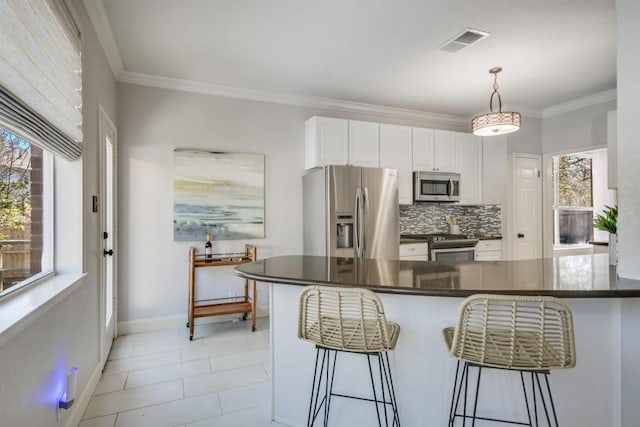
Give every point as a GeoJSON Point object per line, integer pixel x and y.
{"type": "Point", "coordinates": [495, 170]}
{"type": "Point", "coordinates": [326, 142]}
{"type": "Point", "coordinates": [396, 153]}
{"type": "Point", "coordinates": [469, 165]}
{"type": "Point", "coordinates": [434, 150]}
{"type": "Point", "coordinates": [364, 144]}
{"type": "Point", "coordinates": [330, 141]}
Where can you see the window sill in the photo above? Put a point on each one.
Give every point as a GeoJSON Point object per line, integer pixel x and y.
{"type": "Point", "coordinates": [578, 249]}
{"type": "Point", "coordinates": [22, 309]}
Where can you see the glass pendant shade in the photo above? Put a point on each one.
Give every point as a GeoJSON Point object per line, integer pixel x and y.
{"type": "Point", "coordinates": [495, 123]}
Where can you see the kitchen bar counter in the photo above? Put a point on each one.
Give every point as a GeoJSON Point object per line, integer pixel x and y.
{"type": "Point", "coordinates": [423, 298]}
{"type": "Point", "coordinates": [578, 276]}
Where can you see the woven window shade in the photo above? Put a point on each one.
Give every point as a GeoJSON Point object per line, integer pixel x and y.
{"type": "Point", "coordinates": [41, 84]}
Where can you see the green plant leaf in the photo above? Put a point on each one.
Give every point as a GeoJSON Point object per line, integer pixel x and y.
{"type": "Point", "coordinates": [607, 221]}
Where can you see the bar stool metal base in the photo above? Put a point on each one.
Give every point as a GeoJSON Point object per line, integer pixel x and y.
{"type": "Point", "coordinates": [535, 386]}
{"type": "Point", "coordinates": [323, 375]}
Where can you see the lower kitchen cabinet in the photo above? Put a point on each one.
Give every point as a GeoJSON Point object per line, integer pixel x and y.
{"type": "Point", "coordinates": [489, 250]}
{"type": "Point", "coordinates": [414, 252]}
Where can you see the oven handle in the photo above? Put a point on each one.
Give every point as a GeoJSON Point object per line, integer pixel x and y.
{"type": "Point", "coordinates": [433, 252]}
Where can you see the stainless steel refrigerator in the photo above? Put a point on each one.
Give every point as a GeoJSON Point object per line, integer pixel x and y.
{"type": "Point", "coordinates": [351, 212]}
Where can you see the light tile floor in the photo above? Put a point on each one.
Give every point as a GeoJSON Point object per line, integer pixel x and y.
{"type": "Point", "coordinates": [160, 378]}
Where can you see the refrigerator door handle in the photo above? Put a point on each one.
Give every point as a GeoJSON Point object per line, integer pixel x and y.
{"type": "Point", "coordinates": [365, 217]}
{"type": "Point", "coordinates": [356, 220]}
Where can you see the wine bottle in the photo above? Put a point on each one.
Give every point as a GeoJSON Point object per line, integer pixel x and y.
{"type": "Point", "coordinates": [208, 249]}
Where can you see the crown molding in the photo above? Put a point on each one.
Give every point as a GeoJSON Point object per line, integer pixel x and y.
{"type": "Point", "coordinates": [525, 111]}
{"type": "Point", "coordinates": [98, 17]}
{"type": "Point", "coordinates": [280, 98]}
{"type": "Point", "coordinates": [576, 104]}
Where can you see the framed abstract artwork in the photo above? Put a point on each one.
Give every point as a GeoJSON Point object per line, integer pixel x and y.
{"type": "Point", "coordinates": [218, 193]}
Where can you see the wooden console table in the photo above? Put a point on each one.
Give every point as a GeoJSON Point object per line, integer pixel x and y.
{"type": "Point", "coordinates": [230, 305]}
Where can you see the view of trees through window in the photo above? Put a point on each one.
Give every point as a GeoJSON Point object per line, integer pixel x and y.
{"type": "Point", "coordinates": [574, 181]}
{"type": "Point", "coordinates": [20, 210]}
{"type": "Point", "coordinates": [573, 206]}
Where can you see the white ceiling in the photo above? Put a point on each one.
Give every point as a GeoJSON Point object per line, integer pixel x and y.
{"type": "Point", "coordinates": [380, 52]}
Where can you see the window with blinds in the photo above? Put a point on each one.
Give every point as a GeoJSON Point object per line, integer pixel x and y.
{"type": "Point", "coordinates": [40, 117]}
{"type": "Point", "coordinates": [41, 79]}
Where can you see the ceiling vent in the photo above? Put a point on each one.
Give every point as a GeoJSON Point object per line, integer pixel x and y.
{"type": "Point", "coordinates": [463, 39]}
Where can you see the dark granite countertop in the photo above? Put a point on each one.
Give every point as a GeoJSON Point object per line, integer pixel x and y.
{"type": "Point", "coordinates": [578, 276]}
{"type": "Point", "coordinates": [404, 240]}
{"type": "Point", "coordinates": [419, 238]}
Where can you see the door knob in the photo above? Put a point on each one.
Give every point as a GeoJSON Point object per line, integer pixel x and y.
{"type": "Point", "coordinates": [107, 252]}
{"type": "Point", "coordinates": [520, 235]}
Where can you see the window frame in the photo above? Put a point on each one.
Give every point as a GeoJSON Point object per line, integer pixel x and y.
{"type": "Point", "coordinates": [556, 201]}
{"type": "Point", "coordinates": [48, 221]}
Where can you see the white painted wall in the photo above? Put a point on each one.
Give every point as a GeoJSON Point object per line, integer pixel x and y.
{"type": "Point", "coordinates": [527, 139]}
{"type": "Point", "coordinates": [153, 269]}
{"type": "Point", "coordinates": [423, 371]}
{"type": "Point", "coordinates": [628, 13]}
{"type": "Point", "coordinates": [582, 129]}
{"type": "Point", "coordinates": [602, 196]}
{"type": "Point", "coordinates": [628, 16]}
{"type": "Point", "coordinates": [35, 361]}
{"type": "Point", "coordinates": [578, 130]}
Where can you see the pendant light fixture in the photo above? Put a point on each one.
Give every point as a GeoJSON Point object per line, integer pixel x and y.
{"type": "Point", "coordinates": [495, 123]}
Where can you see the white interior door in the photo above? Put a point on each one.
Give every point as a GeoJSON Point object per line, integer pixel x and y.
{"type": "Point", "coordinates": [527, 207]}
{"type": "Point", "coordinates": [107, 210]}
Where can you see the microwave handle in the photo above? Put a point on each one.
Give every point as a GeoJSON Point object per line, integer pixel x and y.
{"type": "Point", "coordinates": [450, 188]}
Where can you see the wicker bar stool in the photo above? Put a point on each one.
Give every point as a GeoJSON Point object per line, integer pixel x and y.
{"type": "Point", "coordinates": [347, 320]}
{"type": "Point", "coordinates": [530, 334]}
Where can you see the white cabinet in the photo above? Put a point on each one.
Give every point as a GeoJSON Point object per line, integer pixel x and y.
{"type": "Point", "coordinates": [414, 251]}
{"type": "Point", "coordinates": [434, 150]}
{"type": "Point", "coordinates": [495, 170]}
{"type": "Point", "coordinates": [445, 151]}
{"type": "Point", "coordinates": [469, 166]}
{"type": "Point", "coordinates": [489, 250]}
{"type": "Point", "coordinates": [330, 141]}
{"type": "Point", "coordinates": [364, 144]}
{"type": "Point", "coordinates": [326, 142]}
{"type": "Point", "coordinates": [612, 149]}
{"type": "Point", "coordinates": [396, 153]}
{"type": "Point", "coordinates": [423, 149]}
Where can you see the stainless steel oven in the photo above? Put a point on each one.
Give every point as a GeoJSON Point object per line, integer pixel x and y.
{"type": "Point", "coordinates": [453, 254]}
{"type": "Point", "coordinates": [447, 247]}
{"type": "Point", "coordinates": [452, 247]}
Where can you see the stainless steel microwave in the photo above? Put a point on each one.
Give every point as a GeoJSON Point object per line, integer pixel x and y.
{"type": "Point", "coordinates": [436, 187]}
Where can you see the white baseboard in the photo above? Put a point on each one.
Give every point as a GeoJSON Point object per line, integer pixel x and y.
{"type": "Point", "coordinates": [286, 422]}
{"type": "Point", "coordinates": [77, 410]}
{"type": "Point", "coordinates": [167, 322]}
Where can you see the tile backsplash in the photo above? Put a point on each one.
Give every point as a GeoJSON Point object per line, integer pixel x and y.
{"type": "Point", "coordinates": [426, 218]}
